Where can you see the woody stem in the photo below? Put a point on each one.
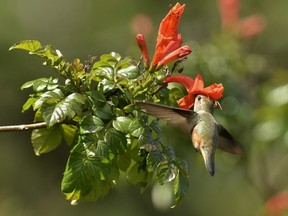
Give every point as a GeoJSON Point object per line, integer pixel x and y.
{"type": "Point", "coordinates": [22, 127]}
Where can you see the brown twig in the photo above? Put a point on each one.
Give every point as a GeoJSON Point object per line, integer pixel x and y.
{"type": "Point", "coordinates": [23, 127]}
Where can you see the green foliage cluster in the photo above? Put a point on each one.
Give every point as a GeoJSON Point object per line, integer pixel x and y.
{"type": "Point", "coordinates": [92, 107]}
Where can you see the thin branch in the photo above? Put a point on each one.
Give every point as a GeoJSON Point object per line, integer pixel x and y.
{"type": "Point", "coordinates": [23, 127]}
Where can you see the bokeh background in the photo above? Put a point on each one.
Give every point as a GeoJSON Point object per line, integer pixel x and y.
{"type": "Point", "coordinates": [255, 105]}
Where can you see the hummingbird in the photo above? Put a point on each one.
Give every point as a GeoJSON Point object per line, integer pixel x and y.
{"type": "Point", "coordinates": [206, 134]}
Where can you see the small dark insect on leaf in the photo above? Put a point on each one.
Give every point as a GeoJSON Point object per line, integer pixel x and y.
{"type": "Point", "coordinates": [181, 67]}
{"type": "Point", "coordinates": [181, 70]}
{"type": "Point", "coordinates": [89, 62]}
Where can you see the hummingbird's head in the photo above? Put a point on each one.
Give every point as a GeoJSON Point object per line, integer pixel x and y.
{"type": "Point", "coordinates": [205, 103]}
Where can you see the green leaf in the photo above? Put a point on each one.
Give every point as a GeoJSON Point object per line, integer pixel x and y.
{"type": "Point", "coordinates": [77, 68]}
{"type": "Point", "coordinates": [30, 83]}
{"type": "Point", "coordinates": [29, 45]}
{"type": "Point", "coordinates": [103, 72]}
{"type": "Point", "coordinates": [115, 101]}
{"type": "Point", "coordinates": [53, 113]}
{"type": "Point", "coordinates": [169, 151]}
{"type": "Point", "coordinates": [117, 56]}
{"type": "Point", "coordinates": [55, 95]}
{"type": "Point", "coordinates": [46, 139]}
{"type": "Point", "coordinates": [91, 124]}
{"type": "Point", "coordinates": [126, 62]}
{"type": "Point", "coordinates": [66, 109]}
{"type": "Point", "coordinates": [29, 103]}
{"type": "Point", "coordinates": [111, 60]}
{"type": "Point", "coordinates": [166, 172]}
{"type": "Point", "coordinates": [135, 128]}
{"type": "Point", "coordinates": [41, 84]}
{"type": "Point", "coordinates": [69, 133]}
{"type": "Point", "coordinates": [108, 85]}
{"type": "Point", "coordinates": [86, 177]}
{"type": "Point", "coordinates": [146, 137]}
{"type": "Point", "coordinates": [129, 108]}
{"type": "Point", "coordinates": [53, 57]}
{"type": "Point", "coordinates": [181, 183]}
{"type": "Point", "coordinates": [137, 176]}
{"type": "Point", "coordinates": [175, 94]}
{"type": "Point", "coordinates": [122, 124]}
{"type": "Point", "coordinates": [97, 96]}
{"type": "Point", "coordinates": [99, 64]}
{"type": "Point", "coordinates": [153, 160]}
{"type": "Point", "coordinates": [130, 72]}
{"type": "Point", "coordinates": [116, 141]}
{"type": "Point", "coordinates": [104, 111]}
{"type": "Point", "coordinates": [123, 161]}
{"type": "Point", "coordinates": [49, 53]}
{"type": "Point", "coordinates": [102, 149]}
{"type": "Point", "coordinates": [138, 132]}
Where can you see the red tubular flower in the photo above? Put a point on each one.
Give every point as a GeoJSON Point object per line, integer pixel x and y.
{"type": "Point", "coordinates": [143, 48]}
{"type": "Point", "coordinates": [251, 26]}
{"type": "Point", "coordinates": [194, 88]}
{"type": "Point", "coordinates": [168, 47]}
{"type": "Point", "coordinates": [168, 39]}
{"type": "Point", "coordinates": [229, 11]}
{"type": "Point", "coordinates": [246, 28]}
{"type": "Point", "coordinates": [176, 54]}
{"type": "Point", "coordinates": [278, 204]}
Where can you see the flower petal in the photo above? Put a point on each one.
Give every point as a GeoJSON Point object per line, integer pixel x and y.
{"type": "Point", "coordinates": [198, 85]}
{"type": "Point", "coordinates": [195, 87]}
{"type": "Point", "coordinates": [168, 38]}
{"type": "Point", "coordinates": [186, 102]}
{"type": "Point", "coordinates": [176, 54]}
{"type": "Point", "coordinates": [186, 81]}
{"type": "Point", "coordinates": [170, 23]}
{"type": "Point", "coordinates": [164, 47]}
{"type": "Point", "coordinates": [162, 42]}
{"type": "Point", "coordinates": [278, 204]}
{"type": "Point", "coordinates": [214, 91]}
{"type": "Point", "coordinates": [143, 47]}
{"type": "Point", "coordinates": [251, 26]}
{"type": "Point", "coordinates": [172, 45]}
{"type": "Point", "coordinates": [229, 11]}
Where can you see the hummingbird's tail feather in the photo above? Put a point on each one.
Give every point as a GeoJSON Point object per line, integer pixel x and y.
{"type": "Point", "coordinates": [209, 161]}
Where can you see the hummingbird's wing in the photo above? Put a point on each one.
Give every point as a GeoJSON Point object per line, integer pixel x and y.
{"type": "Point", "coordinates": [181, 118]}
{"type": "Point", "coordinates": [227, 143]}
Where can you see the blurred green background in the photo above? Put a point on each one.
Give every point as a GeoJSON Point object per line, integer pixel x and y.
{"type": "Point", "coordinates": [255, 105]}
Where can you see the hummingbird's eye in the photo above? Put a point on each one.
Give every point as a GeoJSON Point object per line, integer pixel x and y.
{"type": "Point", "coordinates": [199, 97]}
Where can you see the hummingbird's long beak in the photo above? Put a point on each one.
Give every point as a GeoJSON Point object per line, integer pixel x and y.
{"type": "Point", "coordinates": [208, 156]}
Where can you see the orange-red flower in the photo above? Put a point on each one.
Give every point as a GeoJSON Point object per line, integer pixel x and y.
{"type": "Point", "coordinates": [168, 46]}
{"type": "Point", "coordinates": [251, 26]}
{"type": "Point", "coordinates": [247, 28]}
{"type": "Point", "coordinates": [194, 88]}
{"type": "Point", "coordinates": [176, 54]}
{"type": "Point", "coordinates": [143, 48]}
{"type": "Point", "coordinates": [229, 11]}
{"type": "Point", "coordinates": [278, 204]}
